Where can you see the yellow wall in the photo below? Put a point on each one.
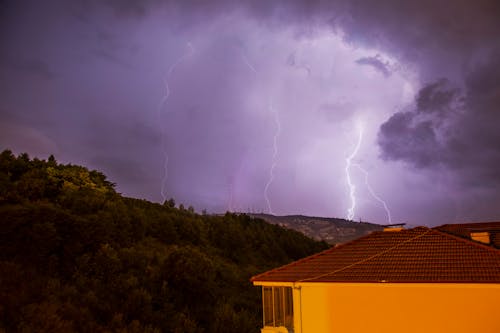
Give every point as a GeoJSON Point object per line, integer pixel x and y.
{"type": "Point", "coordinates": [386, 307]}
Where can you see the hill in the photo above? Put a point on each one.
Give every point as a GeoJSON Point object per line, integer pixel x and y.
{"type": "Point", "coordinates": [330, 230]}
{"type": "Point", "coordinates": [76, 256]}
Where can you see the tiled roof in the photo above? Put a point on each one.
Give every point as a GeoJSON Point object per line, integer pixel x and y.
{"type": "Point", "coordinates": [420, 255]}
{"type": "Point", "coordinates": [465, 230]}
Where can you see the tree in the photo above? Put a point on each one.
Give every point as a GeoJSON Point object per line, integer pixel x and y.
{"type": "Point", "coordinates": [169, 203]}
{"type": "Point", "coordinates": [76, 255]}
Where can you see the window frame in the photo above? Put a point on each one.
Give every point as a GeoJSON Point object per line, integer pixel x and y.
{"type": "Point", "coordinates": [277, 301]}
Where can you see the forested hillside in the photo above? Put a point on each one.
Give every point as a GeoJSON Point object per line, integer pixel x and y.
{"type": "Point", "coordinates": [77, 256]}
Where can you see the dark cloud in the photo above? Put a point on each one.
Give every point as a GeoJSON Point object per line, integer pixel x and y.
{"type": "Point", "coordinates": [415, 142]}
{"type": "Point", "coordinates": [35, 67]}
{"type": "Point", "coordinates": [102, 66]}
{"type": "Point", "coordinates": [414, 29]}
{"type": "Point", "coordinates": [459, 133]}
{"type": "Point", "coordinates": [475, 145]}
{"type": "Point", "coordinates": [436, 97]}
{"type": "Point", "coordinates": [376, 63]}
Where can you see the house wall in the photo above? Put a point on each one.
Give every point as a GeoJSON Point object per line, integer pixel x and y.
{"type": "Point", "coordinates": [387, 307]}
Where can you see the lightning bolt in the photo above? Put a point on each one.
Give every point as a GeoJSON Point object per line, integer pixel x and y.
{"type": "Point", "coordinates": [275, 154]}
{"type": "Point", "coordinates": [275, 138]}
{"type": "Point", "coordinates": [372, 192]}
{"type": "Point", "coordinates": [352, 187]}
{"type": "Point", "coordinates": [166, 96]}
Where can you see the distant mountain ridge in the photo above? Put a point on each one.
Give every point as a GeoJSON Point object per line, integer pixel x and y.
{"type": "Point", "coordinates": [330, 230]}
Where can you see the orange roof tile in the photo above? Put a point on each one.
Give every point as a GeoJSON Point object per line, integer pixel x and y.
{"type": "Point", "coordinates": [419, 255]}
{"type": "Point", "coordinates": [465, 230]}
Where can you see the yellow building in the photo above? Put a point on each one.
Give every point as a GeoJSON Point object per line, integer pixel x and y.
{"type": "Point", "coordinates": [416, 280]}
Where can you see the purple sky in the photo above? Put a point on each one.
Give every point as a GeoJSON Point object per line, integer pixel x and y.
{"type": "Point", "coordinates": [217, 86]}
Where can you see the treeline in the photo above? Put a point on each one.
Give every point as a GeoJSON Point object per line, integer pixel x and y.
{"type": "Point", "coordinates": [75, 255]}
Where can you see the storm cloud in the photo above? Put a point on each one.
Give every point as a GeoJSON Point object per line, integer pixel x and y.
{"type": "Point", "coordinates": [417, 136]}
{"type": "Point", "coordinates": [376, 63]}
{"type": "Point", "coordinates": [451, 129]}
{"type": "Point", "coordinates": [121, 85]}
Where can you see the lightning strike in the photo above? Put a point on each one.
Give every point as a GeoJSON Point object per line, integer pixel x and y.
{"type": "Point", "coordinates": [162, 105]}
{"type": "Point", "coordinates": [372, 192]}
{"type": "Point", "coordinates": [275, 140]}
{"type": "Point", "coordinates": [352, 187]}
{"type": "Point", "coordinates": [275, 154]}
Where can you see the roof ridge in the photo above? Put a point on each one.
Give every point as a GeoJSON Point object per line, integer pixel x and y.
{"type": "Point", "coordinates": [296, 262]}
{"type": "Point", "coordinates": [427, 230]}
{"type": "Point", "coordinates": [466, 240]}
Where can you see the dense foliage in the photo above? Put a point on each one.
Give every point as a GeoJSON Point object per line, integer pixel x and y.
{"type": "Point", "coordinates": [77, 256]}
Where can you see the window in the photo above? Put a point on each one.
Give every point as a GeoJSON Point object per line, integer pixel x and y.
{"type": "Point", "coordinates": [278, 306]}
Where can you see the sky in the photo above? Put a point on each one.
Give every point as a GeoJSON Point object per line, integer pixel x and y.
{"type": "Point", "coordinates": [380, 111]}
